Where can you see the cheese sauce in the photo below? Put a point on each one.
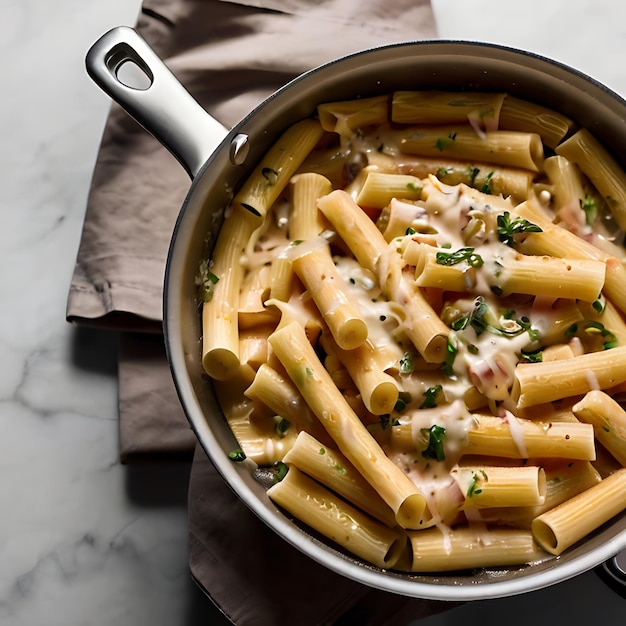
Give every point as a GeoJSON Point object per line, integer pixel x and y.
{"type": "Point", "coordinates": [489, 332]}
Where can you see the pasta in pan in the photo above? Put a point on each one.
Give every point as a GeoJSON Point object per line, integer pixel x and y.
{"type": "Point", "coordinates": [429, 346]}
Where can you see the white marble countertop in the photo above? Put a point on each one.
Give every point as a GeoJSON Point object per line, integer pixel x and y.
{"type": "Point", "coordinates": [83, 539]}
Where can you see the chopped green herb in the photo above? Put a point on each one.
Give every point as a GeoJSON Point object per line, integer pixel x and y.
{"type": "Point", "coordinates": [442, 171]}
{"type": "Point", "coordinates": [339, 468]}
{"type": "Point", "coordinates": [386, 421]}
{"type": "Point", "coordinates": [281, 471]}
{"type": "Point", "coordinates": [237, 455]}
{"type": "Point", "coordinates": [482, 319]}
{"type": "Point", "coordinates": [596, 328]}
{"type": "Point", "coordinates": [206, 281]}
{"type": "Point", "coordinates": [404, 397]}
{"type": "Point", "coordinates": [281, 427]}
{"type": "Point", "coordinates": [472, 349]}
{"type": "Point", "coordinates": [507, 229]}
{"type": "Point", "coordinates": [413, 187]}
{"type": "Point", "coordinates": [410, 231]}
{"type": "Point", "coordinates": [406, 363]}
{"type": "Point", "coordinates": [451, 352]}
{"type": "Point", "coordinates": [430, 397]}
{"type": "Point", "coordinates": [590, 208]}
{"type": "Point", "coordinates": [399, 406]}
{"type": "Point", "coordinates": [460, 255]}
{"type": "Point", "coordinates": [322, 451]}
{"type": "Point", "coordinates": [599, 305]}
{"type": "Point", "coordinates": [472, 489]}
{"type": "Point", "coordinates": [442, 143]}
{"type": "Point", "coordinates": [445, 142]}
{"type": "Point", "coordinates": [532, 357]}
{"type": "Point", "coordinates": [434, 449]}
{"type": "Point", "coordinates": [486, 188]}
{"type": "Point", "coordinates": [472, 172]}
{"type": "Point", "coordinates": [571, 331]}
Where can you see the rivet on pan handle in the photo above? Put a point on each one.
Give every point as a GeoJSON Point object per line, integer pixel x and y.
{"type": "Point", "coordinates": [159, 103]}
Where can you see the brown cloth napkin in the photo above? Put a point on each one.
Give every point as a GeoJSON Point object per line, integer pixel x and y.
{"type": "Point", "coordinates": [230, 56]}
{"type": "Point", "coordinates": [258, 579]}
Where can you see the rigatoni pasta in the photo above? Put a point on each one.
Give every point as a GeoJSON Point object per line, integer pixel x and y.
{"type": "Point", "coordinates": [419, 318]}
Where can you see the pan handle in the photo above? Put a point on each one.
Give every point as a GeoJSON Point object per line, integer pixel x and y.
{"type": "Point", "coordinates": [613, 573]}
{"type": "Point", "coordinates": [157, 101]}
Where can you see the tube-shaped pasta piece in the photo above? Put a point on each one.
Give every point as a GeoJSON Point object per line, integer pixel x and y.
{"type": "Point", "coordinates": [354, 226]}
{"type": "Point", "coordinates": [567, 190]}
{"type": "Point", "coordinates": [351, 436]}
{"type": "Point", "coordinates": [467, 548]}
{"type": "Point", "coordinates": [380, 187]}
{"type": "Point", "coordinates": [253, 350]}
{"type": "Point", "coordinates": [581, 279]}
{"type": "Point", "coordinates": [319, 275]}
{"type": "Point", "coordinates": [563, 481]}
{"type": "Point", "coordinates": [347, 116]}
{"type": "Point", "coordinates": [555, 323]}
{"type": "Point", "coordinates": [305, 221]}
{"type": "Point", "coordinates": [557, 352]}
{"type": "Point", "coordinates": [614, 283]}
{"type": "Point", "coordinates": [608, 419]}
{"type": "Point", "coordinates": [400, 215]}
{"type": "Point", "coordinates": [430, 273]}
{"type": "Point", "coordinates": [557, 241]}
{"type": "Point", "coordinates": [528, 117]}
{"type": "Point", "coordinates": [342, 523]}
{"type": "Point", "coordinates": [272, 174]}
{"type": "Point", "coordinates": [488, 486]}
{"type": "Point", "coordinates": [277, 392]}
{"type": "Point", "coordinates": [600, 167]}
{"type": "Point", "coordinates": [281, 278]}
{"type": "Point", "coordinates": [501, 147]}
{"type": "Point", "coordinates": [253, 292]}
{"type": "Point", "coordinates": [537, 383]}
{"type": "Point", "coordinates": [561, 527]}
{"type": "Point", "coordinates": [331, 468]}
{"type": "Point", "coordinates": [517, 438]}
{"type": "Point", "coordinates": [379, 391]}
{"type": "Point", "coordinates": [260, 440]}
{"type": "Point", "coordinates": [482, 109]}
{"type": "Point", "coordinates": [499, 181]}
{"type": "Point", "coordinates": [220, 328]}
{"type": "Point", "coordinates": [420, 322]}
{"type": "Point", "coordinates": [553, 239]}
{"type": "Point", "coordinates": [609, 317]}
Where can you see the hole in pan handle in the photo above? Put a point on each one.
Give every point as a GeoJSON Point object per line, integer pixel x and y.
{"type": "Point", "coordinates": [128, 70]}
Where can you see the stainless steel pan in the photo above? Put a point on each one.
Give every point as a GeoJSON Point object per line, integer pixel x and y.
{"type": "Point", "coordinates": [219, 160]}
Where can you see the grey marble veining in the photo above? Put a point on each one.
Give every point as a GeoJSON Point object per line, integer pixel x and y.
{"type": "Point", "coordinates": [84, 540]}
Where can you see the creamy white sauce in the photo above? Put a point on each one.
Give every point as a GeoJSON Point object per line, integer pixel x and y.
{"type": "Point", "coordinates": [448, 218]}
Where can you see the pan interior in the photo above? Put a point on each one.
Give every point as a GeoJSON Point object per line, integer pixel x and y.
{"type": "Point", "coordinates": [422, 65]}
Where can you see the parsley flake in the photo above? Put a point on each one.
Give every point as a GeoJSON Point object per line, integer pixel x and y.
{"type": "Point", "coordinates": [460, 255]}
{"type": "Point", "coordinates": [507, 229]}
{"type": "Point", "coordinates": [434, 449]}
{"type": "Point", "coordinates": [430, 397]}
